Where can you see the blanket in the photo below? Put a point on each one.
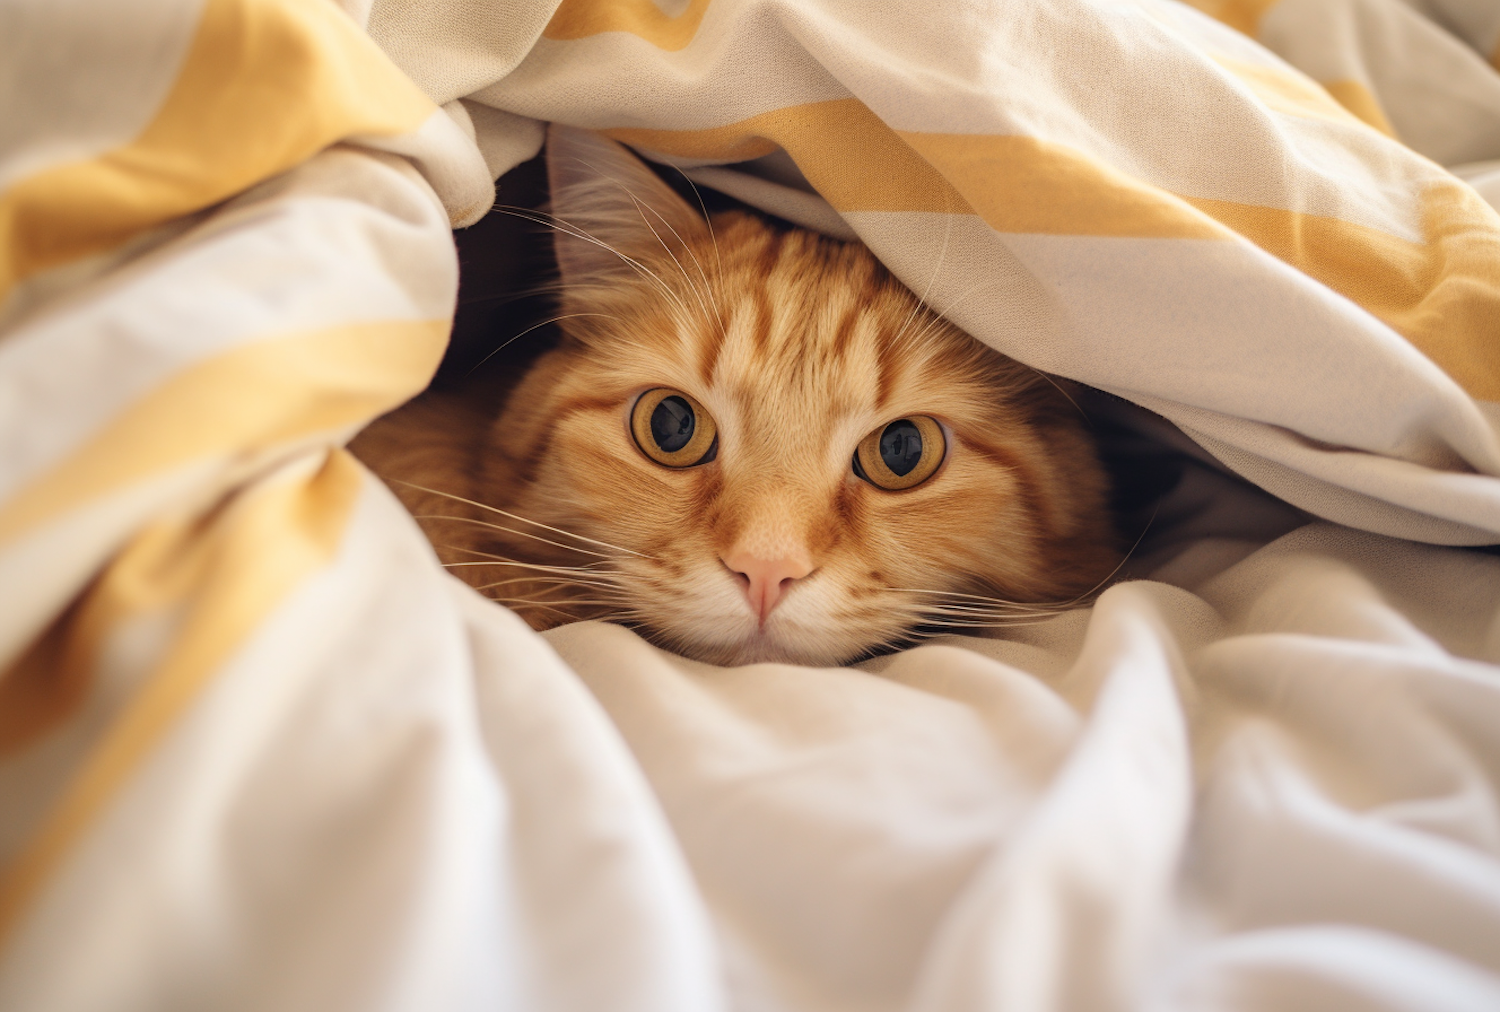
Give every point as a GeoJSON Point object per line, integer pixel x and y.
{"type": "Point", "coordinates": [257, 751]}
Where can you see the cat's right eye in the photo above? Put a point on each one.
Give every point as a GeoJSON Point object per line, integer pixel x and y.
{"type": "Point", "coordinates": [901, 454]}
{"type": "Point", "coordinates": [673, 429]}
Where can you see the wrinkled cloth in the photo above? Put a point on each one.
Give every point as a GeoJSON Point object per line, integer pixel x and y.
{"type": "Point", "coordinates": [257, 751]}
{"type": "Point", "coordinates": [1131, 194]}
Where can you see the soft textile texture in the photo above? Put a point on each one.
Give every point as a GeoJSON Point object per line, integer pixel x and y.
{"type": "Point", "coordinates": [1129, 194]}
{"type": "Point", "coordinates": [258, 752]}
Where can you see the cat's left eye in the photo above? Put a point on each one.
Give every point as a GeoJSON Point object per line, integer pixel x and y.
{"type": "Point", "coordinates": [673, 429]}
{"type": "Point", "coordinates": [901, 454]}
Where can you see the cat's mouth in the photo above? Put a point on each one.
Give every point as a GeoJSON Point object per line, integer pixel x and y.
{"type": "Point", "coordinates": [796, 631]}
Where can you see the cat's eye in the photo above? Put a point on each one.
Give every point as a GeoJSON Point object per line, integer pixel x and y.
{"type": "Point", "coordinates": [902, 454]}
{"type": "Point", "coordinates": [673, 429]}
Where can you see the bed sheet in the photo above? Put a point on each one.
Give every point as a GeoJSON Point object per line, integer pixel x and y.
{"type": "Point", "coordinates": [257, 751]}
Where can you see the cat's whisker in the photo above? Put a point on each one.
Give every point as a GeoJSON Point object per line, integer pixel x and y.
{"type": "Point", "coordinates": [980, 621]}
{"type": "Point", "coordinates": [554, 222]}
{"type": "Point", "coordinates": [642, 206]}
{"type": "Point", "coordinates": [1126, 558]}
{"type": "Point", "coordinates": [519, 295]}
{"type": "Point", "coordinates": [916, 308]}
{"type": "Point", "coordinates": [999, 623]}
{"type": "Point", "coordinates": [636, 264]}
{"type": "Point", "coordinates": [641, 209]}
{"type": "Point", "coordinates": [552, 581]}
{"type": "Point", "coordinates": [1059, 388]}
{"type": "Point", "coordinates": [497, 561]}
{"type": "Point", "coordinates": [708, 220]}
{"type": "Point", "coordinates": [969, 615]}
{"type": "Point", "coordinates": [492, 560]}
{"type": "Point", "coordinates": [971, 597]}
{"type": "Point", "coordinates": [942, 317]}
{"type": "Point", "coordinates": [988, 606]}
{"type": "Point", "coordinates": [525, 520]}
{"type": "Point", "coordinates": [646, 633]}
{"type": "Point", "coordinates": [704, 296]}
{"type": "Point", "coordinates": [938, 266]}
{"type": "Point", "coordinates": [532, 602]}
{"type": "Point", "coordinates": [963, 607]}
{"type": "Point", "coordinates": [589, 578]}
{"type": "Point", "coordinates": [567, 615]}
{"type": "Point", "coordinates": [587, 567]}
{"type": "Point", "coordinates": [556, 594]}
{"type": "Point", "coordinates": [960, 614]}
{"type": "Point", "coordinates": [938, 628]}
{"type": "Point", "coordinates": [511, 530]}
{"type": "Point", "coordinates": [928, 328]}
{"type": "Point", "coordinates": [554, 578]}
{"type": "Point", "coordinates": [980, 617]}
{"type": "Point", "coordinates": [537, 326]}
{"type": "Point", "coordinates": [887, 645]}
{"type": "Point", "coordinates": [708, 286]}
{"type": "Point", "coordinates": [968, 293]}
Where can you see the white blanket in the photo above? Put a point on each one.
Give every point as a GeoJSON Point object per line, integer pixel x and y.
{"type": "Point", "coordinates": [257, 751]}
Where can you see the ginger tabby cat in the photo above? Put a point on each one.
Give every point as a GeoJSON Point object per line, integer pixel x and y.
{"type": "Point", "coordinates": [753, 444]}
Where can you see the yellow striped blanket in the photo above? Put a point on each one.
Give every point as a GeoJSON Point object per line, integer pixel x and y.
{"type": "Point", "coordinates": [258, 751]}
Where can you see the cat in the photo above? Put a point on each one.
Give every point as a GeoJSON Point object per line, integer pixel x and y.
{"type": "Point", "coordinates": [752, 443]}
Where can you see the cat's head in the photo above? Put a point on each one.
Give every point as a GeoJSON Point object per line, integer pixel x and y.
{"type": "Point", "coordinates": [783, 455]}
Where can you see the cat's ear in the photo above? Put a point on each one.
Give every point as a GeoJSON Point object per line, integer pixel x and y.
{"type": "Point", "coordinates": [609, 204]}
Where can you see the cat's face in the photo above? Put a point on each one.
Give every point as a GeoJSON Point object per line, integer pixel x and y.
{"type": "Point", "coordinates": [781, 454]}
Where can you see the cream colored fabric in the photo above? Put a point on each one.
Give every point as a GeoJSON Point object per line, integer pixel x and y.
{"type": "Point", "coordinates": [257, 752]}
{"type": "Point", "coordinates": [1131, 195]}
{"type": "Point", "coordinates": [1484, 177]}
{"type": "Point", "coordinates": [1272, 789]}
{"type": "Point", "coordinates": [1380, 58]}
{"type": "Point", "coordinates": [1476, 22]}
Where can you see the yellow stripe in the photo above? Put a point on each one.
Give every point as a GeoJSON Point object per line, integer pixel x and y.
{"type": "Point", "coordinates": [1243, 15]}
{"type": "Point", "coordinates": [1017, 184]}
{"type": "Point", "coordinates": [249, 398]}
{"type": "Point", "coordinates": [853, 159]}
{"type": "Point", "coordinates": [1021, 184]}
{"type": "Point", "coordinates": [1442, 295]}
{"type": "Point", "coordinates": [229, 574]}
{"type": "Point", "coordinates": [579, 19]}
{"type": "Point", "coordinates": [1291, 92]}
{"type": "Point", "coordinates": [265, 85]}
{"type": "Point", "coordinates": [1288, 91]}
{"type": "Point", "coordinates": [1361, 101]}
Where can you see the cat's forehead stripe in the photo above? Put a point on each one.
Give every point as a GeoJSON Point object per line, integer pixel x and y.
{"type": "Point", "coordinates": [843, 334]}
{"type": "Point", "coordinates": [713, 344]}
{"type": "Point", "coordinates": [770, 254]}
{"type": "Point", "coordinates": [765, 317]}
{"type": "Point", "coordinates": [887, 383]}
{"type": "Point", "coordinates": [822, 318]}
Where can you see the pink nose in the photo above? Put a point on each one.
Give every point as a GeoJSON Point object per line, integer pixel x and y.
{"type": "Point", "coordinates": [766, 580]}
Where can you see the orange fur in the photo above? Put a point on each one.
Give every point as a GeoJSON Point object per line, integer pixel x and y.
{"type": "Point", "coordinates": [798, 346]}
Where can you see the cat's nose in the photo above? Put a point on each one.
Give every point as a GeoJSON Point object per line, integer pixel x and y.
{"type": "Point", "coordinates": [766, 581]}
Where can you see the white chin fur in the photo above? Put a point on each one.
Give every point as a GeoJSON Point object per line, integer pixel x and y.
{"type": "Point", "coordinates": [740, 640]}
